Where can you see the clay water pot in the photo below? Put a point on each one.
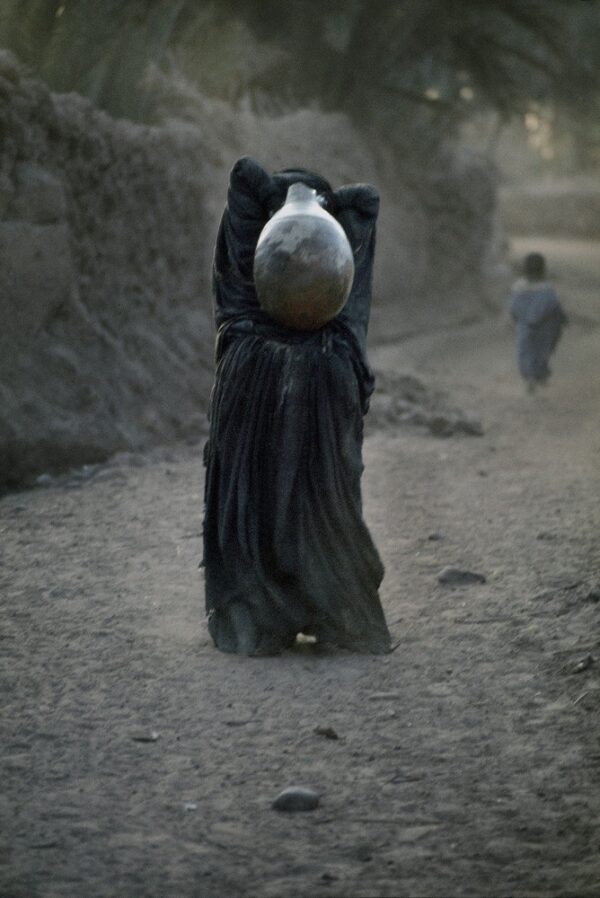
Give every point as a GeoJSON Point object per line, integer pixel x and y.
{"type": "Point", "coordinates": [303, 264]}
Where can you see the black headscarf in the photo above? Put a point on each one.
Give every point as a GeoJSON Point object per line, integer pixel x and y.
{"type": "Point", "coordinates": [288, 176]}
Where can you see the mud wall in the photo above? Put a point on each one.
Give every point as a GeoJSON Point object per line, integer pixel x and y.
{"type": "Point", "coordinates": [106, 236]}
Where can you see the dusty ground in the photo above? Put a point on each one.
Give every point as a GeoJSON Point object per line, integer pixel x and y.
{"type": "Point", "coordinates": [468, 761]}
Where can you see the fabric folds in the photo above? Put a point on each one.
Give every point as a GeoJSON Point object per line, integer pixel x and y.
{"type": "Point", "coordinates": [286, 549]}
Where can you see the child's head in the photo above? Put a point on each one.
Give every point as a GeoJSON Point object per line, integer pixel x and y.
{"type": "Point", "coordinates": [534, 266]}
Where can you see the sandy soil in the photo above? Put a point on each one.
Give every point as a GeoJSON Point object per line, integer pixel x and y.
{"type": "Point", "coordinates": [140, 762]}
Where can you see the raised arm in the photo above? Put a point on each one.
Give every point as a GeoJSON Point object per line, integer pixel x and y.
{"type": "Point", "coordinates": [249, 202]}
{"type": "Point", "coordinates": [357, 210]}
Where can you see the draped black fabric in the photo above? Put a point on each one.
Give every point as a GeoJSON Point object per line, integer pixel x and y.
{"type": "Point", "coordinates": [286, 549]}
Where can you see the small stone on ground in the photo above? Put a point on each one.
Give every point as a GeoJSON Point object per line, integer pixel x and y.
{"type": "Point", "coordinates": [296, 798]}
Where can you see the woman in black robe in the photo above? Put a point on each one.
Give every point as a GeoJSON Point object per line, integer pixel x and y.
{"type": "Point", "coordinates": [286, 550]}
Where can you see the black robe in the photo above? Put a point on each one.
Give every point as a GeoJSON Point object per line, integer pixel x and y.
{"type": "Point", "coordinates": [286, 549]}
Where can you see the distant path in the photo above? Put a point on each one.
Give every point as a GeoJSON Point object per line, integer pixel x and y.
{"type": "Point", "coordinates": [139, 762]}
{"type": "Point", "coordinates": [476, 363]}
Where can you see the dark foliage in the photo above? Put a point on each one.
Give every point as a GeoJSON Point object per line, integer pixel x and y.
{"type": "Point", "coordinates": [386, 63]}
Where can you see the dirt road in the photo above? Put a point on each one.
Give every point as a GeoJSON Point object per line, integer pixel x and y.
{"type": "Point", "coordinates": [140, 763]}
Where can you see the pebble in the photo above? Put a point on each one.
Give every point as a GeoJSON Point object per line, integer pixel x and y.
{"type": "Point", "coordinates": [327, 732]}
{"type": "Point", "coordinates": [144, 736]}
{"type": "Point", "coordinates": [583, 664]}
{"type": "Point", "coordinates": [296, 798]}
{"type": "Point", "coordinates": [455, 576]}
